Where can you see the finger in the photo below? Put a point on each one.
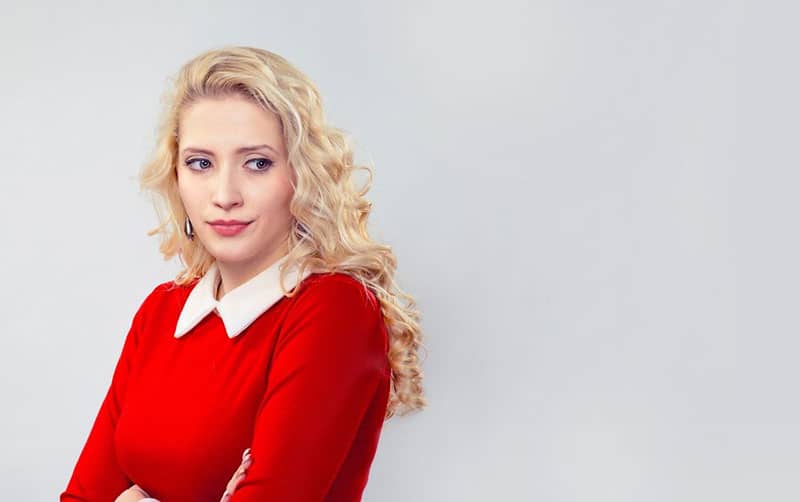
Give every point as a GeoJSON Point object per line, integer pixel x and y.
{"type": "Point", "coordinates": [231, 486]}
{"type": "Point", "coordinates": [237, 476]}
{"type": "Point", "coordinates": [241, 470]}
{"type": "Point", "coordinates": [236, 481]}
{"type": "Point", "coordinates": [230, 489]}
{"type": "Point", "coordinates": [243, 467]}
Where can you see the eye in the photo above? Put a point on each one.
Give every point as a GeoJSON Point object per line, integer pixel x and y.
{"type": "Point", "coordinates": [189, 163]}
{"type": "Point", "coordinates": [262, 163]}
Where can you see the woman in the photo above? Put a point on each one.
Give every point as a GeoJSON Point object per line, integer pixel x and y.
{"type": "Point", "coordinates": [284, 336]}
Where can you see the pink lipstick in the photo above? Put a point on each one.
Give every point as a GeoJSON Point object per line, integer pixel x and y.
{"type": "Point", "coordinates": [228, 228]}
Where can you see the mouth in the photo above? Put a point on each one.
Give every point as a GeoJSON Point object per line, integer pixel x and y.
{"type": "Point", "coordinates": [229, 222]}
{"type": "Point", "coordinates": [228, 229]}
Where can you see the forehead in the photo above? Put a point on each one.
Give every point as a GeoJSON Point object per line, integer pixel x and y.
{"type": "Point", "coordinates": [224, 124]}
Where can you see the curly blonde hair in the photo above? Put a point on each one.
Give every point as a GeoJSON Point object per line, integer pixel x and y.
{"type": "Point", "coordinates": [329, 231]}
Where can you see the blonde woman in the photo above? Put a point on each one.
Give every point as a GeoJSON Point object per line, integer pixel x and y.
{"type": "Point", "coordinates": [266, 369]}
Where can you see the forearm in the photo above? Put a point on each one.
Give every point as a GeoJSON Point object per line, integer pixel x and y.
{"type": "Point", "coordinates": [137, 494]}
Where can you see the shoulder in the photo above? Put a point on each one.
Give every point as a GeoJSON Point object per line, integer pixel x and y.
{"type": "Point", "coordinates": [163, 290]}
{"type": "Point", "coordinates": [334, 301]}
{"type": "Point", "coordinates": [339, 313]}
{"type": "Point", "coordinates": [161, 296]}
{"type": "Point", "coordinates": [338, 290]}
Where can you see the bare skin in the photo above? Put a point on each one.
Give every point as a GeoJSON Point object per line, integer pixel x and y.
{"type": "Point", "coordinates": [135, 494]}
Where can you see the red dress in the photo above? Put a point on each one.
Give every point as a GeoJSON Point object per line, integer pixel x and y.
{"type": "Point", "coordinates": [302, 381]}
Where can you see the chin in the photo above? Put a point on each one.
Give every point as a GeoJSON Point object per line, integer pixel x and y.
{"type": "Point", "coordinates": [230, 253]}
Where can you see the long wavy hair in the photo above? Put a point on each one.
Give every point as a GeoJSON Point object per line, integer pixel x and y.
{"type": "Point", "coordinates": [329, 230]}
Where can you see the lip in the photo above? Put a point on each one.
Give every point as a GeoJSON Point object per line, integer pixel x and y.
{"type": "Point", "coordinates": [228, 222]}
{"type": "Point", "coordinates": [229, 229]}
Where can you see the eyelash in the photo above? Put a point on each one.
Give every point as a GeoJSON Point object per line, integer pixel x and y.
{"type": "Point", "coordinates": [269, 162]}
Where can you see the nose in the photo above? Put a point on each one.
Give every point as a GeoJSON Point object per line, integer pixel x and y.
{"type": "Point", "coordinates": [226, 193]}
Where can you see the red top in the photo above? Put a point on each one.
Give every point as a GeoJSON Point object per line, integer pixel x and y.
{"type": "Point", "coordinates": [305, 387]}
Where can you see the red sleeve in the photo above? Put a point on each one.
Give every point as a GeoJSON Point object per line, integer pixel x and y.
{"type": "Point", "coordinates": [97, 477]}
{"type": "Point", "coordinates": [329, 359]}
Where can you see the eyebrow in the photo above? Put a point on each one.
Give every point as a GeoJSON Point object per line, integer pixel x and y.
{"type": "Point", "coordinates": [242, 149]}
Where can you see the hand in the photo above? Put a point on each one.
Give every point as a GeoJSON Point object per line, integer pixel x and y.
{"type": "Point", "coordinates": [132, 494]}
{"type": "Point", "coordinates": [237, 476]}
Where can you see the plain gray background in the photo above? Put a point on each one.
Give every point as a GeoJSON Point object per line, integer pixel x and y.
{"type": "Point", "coordinates": [593, 203]}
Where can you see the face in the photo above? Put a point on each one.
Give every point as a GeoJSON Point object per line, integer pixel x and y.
{"type": "Point", "coordinates": [232, 165]}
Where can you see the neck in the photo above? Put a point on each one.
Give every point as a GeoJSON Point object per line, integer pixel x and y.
{"type": "Point", "coordinates": [230, 277]}
{"type": "Point", "coordinates": [216, 290]}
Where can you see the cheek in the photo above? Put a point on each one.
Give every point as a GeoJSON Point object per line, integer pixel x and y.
{"type": "Point", "coordinates": [186, 194]}
{"type": "Point", "coordinates": [183, 193]}
{"type": "Point", "coordinates": [283, 196]}
{"type": "Point", "coordinates": [271, 200]}
{"type": "Point", "coordinates": [279, 206]}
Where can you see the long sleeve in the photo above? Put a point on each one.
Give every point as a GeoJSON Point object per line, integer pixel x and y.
{"type": "Point", "coordinates": [97, 476]}
{"type": "Point", "coordinates": [329, 362]}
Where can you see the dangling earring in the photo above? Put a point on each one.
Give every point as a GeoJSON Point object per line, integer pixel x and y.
{"type": "Point", "coordinates": [302, 230]}
{"type": "Point", "coordinates": [188, 230]}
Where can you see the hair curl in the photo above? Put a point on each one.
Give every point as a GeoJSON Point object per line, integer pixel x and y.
{"type": "Point", "coordinates": [329, 231]}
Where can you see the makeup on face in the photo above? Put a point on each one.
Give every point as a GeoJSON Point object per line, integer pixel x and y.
{"type": "Point", "coordinates": [229, 229]}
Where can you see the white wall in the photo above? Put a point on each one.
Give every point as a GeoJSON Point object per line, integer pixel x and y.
{"type": "Point", "coordinates": [593, 202]}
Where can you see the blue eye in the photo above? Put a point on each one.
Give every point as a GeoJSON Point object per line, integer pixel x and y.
{"type": "Point", "coordinates": [189, 163]}
{"type": "Point", "coordinates": [266, 163]}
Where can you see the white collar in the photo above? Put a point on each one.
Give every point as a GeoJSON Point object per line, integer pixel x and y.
{"type": "Point", "coordinates": [241, 305]}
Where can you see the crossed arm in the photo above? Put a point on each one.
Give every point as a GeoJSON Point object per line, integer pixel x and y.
{"type": "Point", "coordinates": [136, 494]}
{"type": "Point", "coordinates": [329, 360]}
